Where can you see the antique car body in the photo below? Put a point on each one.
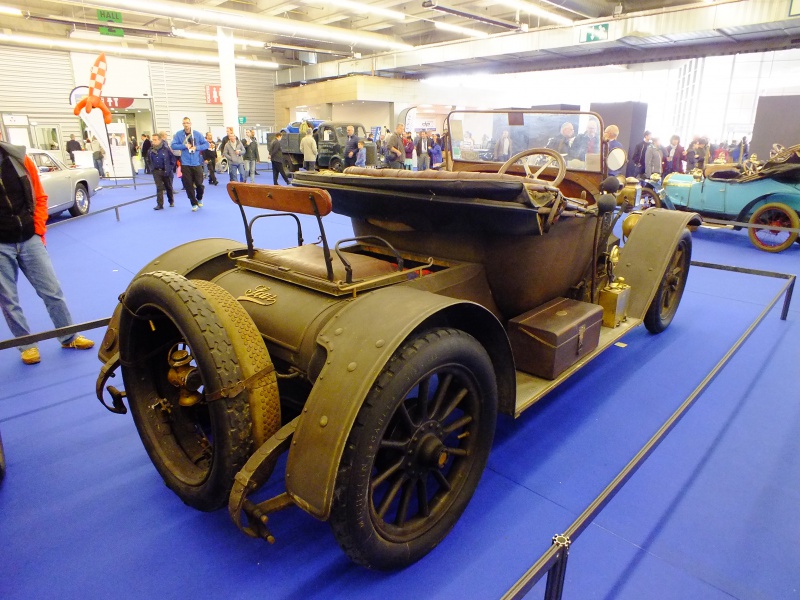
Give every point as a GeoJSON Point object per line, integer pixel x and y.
{"type": "Point", "coordinates": [331, 137]}
{"type": "Point", "coordinates": [767, 194]}
{"type": "Point", "coordinates": [68, 188]}
{"type": "Point", "coordinates": [379, 363]}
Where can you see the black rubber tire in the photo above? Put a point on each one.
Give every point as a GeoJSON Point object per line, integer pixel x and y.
{"type": "Point", "coordinates": [670, 291]}
{"type": "Point", "coordinates": [81, 201]}
{"type": "Point", "coordinates": [406, 451]}
{"type": "Point", "coordinates": [336, 165]}
{"type": "Point", "coordinates": [253, 357]}
{"type": "Point", "coordinates": [198, 449]}
{"type": "Point", "coordinates": [778, 214]}
{"type": "Point", "coordinates": [2, 460]}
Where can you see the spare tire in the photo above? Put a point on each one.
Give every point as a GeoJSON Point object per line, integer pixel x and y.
{"type": "Point", "coordinates": [177, 350]}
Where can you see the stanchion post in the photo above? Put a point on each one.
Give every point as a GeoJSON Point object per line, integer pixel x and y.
{"type": "Point", "coordinates": [558, 572]}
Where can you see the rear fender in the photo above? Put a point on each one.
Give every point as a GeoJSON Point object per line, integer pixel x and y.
{"type": "Point", "coordinates": [200, 259]}
{"type": "Point", "coordinates": [646, 254]}
{"type": "Point", "coordinates": [359, 341]}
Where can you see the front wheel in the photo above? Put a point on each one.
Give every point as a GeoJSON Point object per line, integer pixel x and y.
{"type": "Point", "coordinates": [649, 199]}
{"type": "Point", "coordinates": [417, 450]}
{"type": "Point", "coordinates": [773, 240]}
{"type": "Point", "coordinates": [80, 206]}
{"type": "Point", "coordinates": [668, 296]}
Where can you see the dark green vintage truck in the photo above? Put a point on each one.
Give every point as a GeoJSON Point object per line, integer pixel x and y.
{"type": "Point", "coordinates": [331, 137]}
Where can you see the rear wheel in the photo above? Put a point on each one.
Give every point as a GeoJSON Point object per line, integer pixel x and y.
{"type": "Point", "coordinates": [778, 215]}
{"type": "Point", "coordinates": [81, 204]}
{"type": "Point", "coordinates": [336, 165]}
{"type": "Point", "coordinates": [417, 450]}
{"type": "Point", "coordinates": [668, 296]}
{"type": "Point", "coordinates": [181, 342]}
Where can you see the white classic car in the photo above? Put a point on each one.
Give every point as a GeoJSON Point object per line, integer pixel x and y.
{"type": "Point", "coordinates": [68, 188]}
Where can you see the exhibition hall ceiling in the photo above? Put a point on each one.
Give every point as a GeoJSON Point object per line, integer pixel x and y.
{"type": "Point", "coordinates": [307, 40]}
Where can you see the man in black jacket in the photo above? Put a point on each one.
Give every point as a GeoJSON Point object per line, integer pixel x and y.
{"type": "Point", "coordinates": [639, 154]}
{"type": "Point", "coordinates": [23, 224]}
{"type": "Point", "coordinates": [145, 146]}
{"type": "Point", "coordinates": [276, 156]}
{"type": "Point", "coordinates": [162, 161]}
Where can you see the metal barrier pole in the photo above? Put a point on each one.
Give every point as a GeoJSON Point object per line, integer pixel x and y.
{"type": "Point", "coordinates": [53, 333]}
{"type": "Point", "coordinates": [553, 561]}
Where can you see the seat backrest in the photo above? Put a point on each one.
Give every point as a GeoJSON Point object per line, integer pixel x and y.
{"type": "Point", "coordinates": [305, 201]}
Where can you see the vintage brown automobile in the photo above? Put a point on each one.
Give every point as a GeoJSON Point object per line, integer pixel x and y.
{"type": "Point", "coordinates": [379, 363]}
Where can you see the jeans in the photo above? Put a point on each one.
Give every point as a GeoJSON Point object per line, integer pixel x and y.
{"type": "Point", "coordinates": [163, 184]}
{"type": "Point", "coordinates": [32, 258]}
{"type": "Point", "coordinates": [192, 178]}
{"type": "Point", "coordinates": [277, 169]}
{"type": "Point", "coordinates": [98, 164]}
{"type": "Point", "coordinates": [250, 170]}
{"type": "Point", "coordinates": [234, 169]}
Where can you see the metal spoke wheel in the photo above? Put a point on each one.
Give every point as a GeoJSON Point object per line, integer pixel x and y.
{"type": "Point", "coordinates": [546, 158]}
{"type": "Point", "coordinates": [649, 199]}
{"type": "Point", "coordinates": [668, 296]}
{"type": "Point", "coordinates": [183, 345]}
{"type": "Point", "coordinates": [81, 204]}
{"type": "Point", "coordinates": [777, 215]}
{"type": "Point", "coordinates": [417, 450]}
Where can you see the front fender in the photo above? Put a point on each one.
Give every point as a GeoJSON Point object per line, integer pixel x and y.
{"type": "Point", "coordinates": [359, 341]}
{"type": "Point", "coordinates": [646, 254]}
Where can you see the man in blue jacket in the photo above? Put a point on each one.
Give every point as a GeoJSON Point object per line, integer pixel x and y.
{"type": "Point", "coordinates": [191, 145]}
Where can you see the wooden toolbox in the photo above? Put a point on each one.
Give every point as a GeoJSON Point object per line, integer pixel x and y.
{"type": "Point", "coordinates": [550, 338]}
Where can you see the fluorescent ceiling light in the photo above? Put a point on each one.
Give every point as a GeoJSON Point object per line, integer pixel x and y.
{"type": "Point", "coordinates": [208, 37]}
{"type": "Point", "coordinates": [250, 22]}
{"type": "Point", "coordinates": [461, 30]}
{"type": "Point", "coordinates": [362, 9]}
{"type": "Point", "coordinates": [535, 10]}
{"type": "Point", "coordinates": [7, 10]}
{"type": "Point", "coordinates": [30, 40]}
{"type": "Point", "coordinates": [434, 5]}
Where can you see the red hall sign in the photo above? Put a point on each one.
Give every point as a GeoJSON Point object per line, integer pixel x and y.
{"type": "Point", "coordinates": [118, 102]}
{"type": "Point", "coordinates": [212, 94]}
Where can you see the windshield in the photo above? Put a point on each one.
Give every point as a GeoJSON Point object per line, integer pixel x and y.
{"type": "Point", "coordinates": [495, 136]}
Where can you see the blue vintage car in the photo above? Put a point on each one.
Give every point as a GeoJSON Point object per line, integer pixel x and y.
{"type": "Point", "coordinates": [767, 194]}
{"type": "Point", "coordinates": [294, 127]}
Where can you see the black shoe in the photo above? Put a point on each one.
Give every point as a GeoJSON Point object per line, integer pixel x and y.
{"type": "Point", "coordinates": [158, 208]}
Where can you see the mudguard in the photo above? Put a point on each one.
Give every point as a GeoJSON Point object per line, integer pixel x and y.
{"type": "Point", "coordinates": [199, 259]}
{"type": "Point", "coordinates": [646, 254]}
{"type": "Point", "coordinates": [359, 341]}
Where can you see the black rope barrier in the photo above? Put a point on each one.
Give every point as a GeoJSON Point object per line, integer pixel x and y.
{"type": "Point", "coordinates": [553, 562]}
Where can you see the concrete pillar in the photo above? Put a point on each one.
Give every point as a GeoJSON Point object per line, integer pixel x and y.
{"type": "Point", "coordinates": [227, 78]}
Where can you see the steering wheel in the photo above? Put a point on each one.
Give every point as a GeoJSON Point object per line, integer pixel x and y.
{"type": "Point", "coordinates": [552, 157]}
{"type": "Point", "coordinates": [776, 149]}
{"type": "Point", "coordinates": [750, 167]}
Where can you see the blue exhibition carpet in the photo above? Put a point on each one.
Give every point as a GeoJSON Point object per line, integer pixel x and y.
{"type": "Point", "coordinates": [711, 515]}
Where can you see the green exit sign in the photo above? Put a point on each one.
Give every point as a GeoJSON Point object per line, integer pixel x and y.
{"type": "Point", "coordinates": [594, 33]}
{"type": "Point", "coordinates": [109, 16]}
{"type": "Point", "coordinates": [242, 120]}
